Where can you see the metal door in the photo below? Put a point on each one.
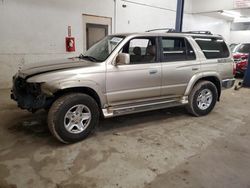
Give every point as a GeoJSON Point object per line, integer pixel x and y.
{"type": "Point", "coordinates": [95, 33]}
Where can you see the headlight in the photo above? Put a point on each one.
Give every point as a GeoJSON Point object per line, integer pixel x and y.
{"type": "Point", "coordinates": [21, 74]}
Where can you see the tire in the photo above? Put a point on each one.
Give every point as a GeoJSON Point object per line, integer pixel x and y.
{"type": "Point", "coordinates": [73, 117]}
{"type": "Point", "coordinates": [200, 102]}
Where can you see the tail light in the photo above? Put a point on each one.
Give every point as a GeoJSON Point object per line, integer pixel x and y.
{"type": "Point", "coordinates": [241, 61]}
{"type": "Point", "coordinates": [240, 57]}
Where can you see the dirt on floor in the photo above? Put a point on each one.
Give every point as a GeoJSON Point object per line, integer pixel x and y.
{"type": "Point", "coordinates": [157, 149]}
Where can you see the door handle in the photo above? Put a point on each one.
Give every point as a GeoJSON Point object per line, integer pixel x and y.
{"type": "Point", "coordinates": [153, 71]}
{"type": "Point", "coordinates": [195, 68]}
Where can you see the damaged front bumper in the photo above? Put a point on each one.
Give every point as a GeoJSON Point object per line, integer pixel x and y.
{"type": "Point", "coordinates": [28, 95]}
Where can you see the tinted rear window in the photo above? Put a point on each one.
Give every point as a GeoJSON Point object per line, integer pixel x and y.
{"type": "Point", "coordinates": [212, 48]}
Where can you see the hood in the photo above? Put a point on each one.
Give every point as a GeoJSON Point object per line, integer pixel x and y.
{"type": "Point", "coordinates": [54, 65]}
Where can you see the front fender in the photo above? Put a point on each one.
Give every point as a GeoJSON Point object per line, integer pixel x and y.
{"type": "Point", "coordinates": [53, 87]}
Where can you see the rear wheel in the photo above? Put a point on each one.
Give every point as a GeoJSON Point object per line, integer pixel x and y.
{"type": "Point", "coordinates": [72, 117]}
{"type": "Point", "coordinates": [202, 98]}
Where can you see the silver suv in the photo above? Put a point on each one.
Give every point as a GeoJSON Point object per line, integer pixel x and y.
{"type": "Point", "coordinates": [125, 74]}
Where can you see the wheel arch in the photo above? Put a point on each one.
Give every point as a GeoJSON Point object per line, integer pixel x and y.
{"type": "Point", "coordinates": [214, 78]}
{"type": "Point", "coordinates": [85, 90]}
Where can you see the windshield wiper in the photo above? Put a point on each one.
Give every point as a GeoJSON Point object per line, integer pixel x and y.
{"type": "Point", "coordinates": [88, 57]}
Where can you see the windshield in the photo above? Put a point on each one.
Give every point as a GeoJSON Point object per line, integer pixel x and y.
{"type": "Point", "coordinates": [243, 48]}
{"type": "Point", "coordinates": [101, 50]}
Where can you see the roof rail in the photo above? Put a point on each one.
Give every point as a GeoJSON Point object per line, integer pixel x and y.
{"type": "Point", "coordinates": [200, 32]}
{"type": "Point", "coordinates": [171, 30]}
{"type": "Point", "coordinates": [162, 29]}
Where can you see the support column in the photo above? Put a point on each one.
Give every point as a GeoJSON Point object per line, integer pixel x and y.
{"type": "Point", "coordinates": [179, 15]}
{"type": "Point", "coordinates": [246, 81]}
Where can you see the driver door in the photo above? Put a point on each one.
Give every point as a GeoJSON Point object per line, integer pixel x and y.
{"type": "Point", "coordinates": [140, 79]}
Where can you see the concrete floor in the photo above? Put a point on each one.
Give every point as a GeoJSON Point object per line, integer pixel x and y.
{"type": "Point", "coordinates": [159, 149]}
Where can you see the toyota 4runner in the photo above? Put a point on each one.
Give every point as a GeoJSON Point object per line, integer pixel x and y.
{"type": "Point", "coordinates": [124, 74]}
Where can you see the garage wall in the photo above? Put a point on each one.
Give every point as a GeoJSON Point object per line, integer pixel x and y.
{"type": "Point", "coordinates": [142, 15]}
{"type": "Point", "coordinates": [197, 21]}
{"type": "Point", "coordinates": [205, 23]}
{"type": "Point", "coordinates": [240, 36]}
{"type": "Point", "coordinates": [139, 16]}
{"type": "Point", "coordinates": [219, 26]}
{"type": "Point", "coordinates": [129, 19]}
{"type": "Point", "coordinates": [33, 31]}
{"type": "Point", "coordinates": [211, 5]}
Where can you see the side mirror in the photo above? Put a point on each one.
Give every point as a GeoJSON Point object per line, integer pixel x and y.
{"type": "Point", "coordinates": [122, 59]}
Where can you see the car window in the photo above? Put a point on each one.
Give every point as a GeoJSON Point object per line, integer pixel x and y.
{"type": "Point", "coordinates": [244, 48]}
{"type": "Point", "coordinates": [102, 50]}
{"type": "Point", "coordinates": [177, 49]}
{"type": "Point", "coordinates": [141, 50]}
{"type": "Point", "coordinates": [213, 48]}
{"type": "Point", "coordinates": [142, 43]}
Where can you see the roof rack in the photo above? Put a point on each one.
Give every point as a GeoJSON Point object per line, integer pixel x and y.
{"type": "Point", "coordinates": [171, 30]}
{"type": "Point", "coordinates": [200, 32]}
{"type": "Point", "coordinates": [168, 30]}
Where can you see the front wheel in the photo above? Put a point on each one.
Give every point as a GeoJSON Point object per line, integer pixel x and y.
{"type": "Point", "coordinates": [72, 117]}
{"type": "Point", "coordinates": [202, 98]}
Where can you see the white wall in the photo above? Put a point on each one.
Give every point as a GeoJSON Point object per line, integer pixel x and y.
{"type": "Point", "coordinates": [218, 26]}
{"type": "Point", "coordinates": [215, 5]}
{"type": "Point", "coordinates": [188, 6]}
{"type": "Point", "coordinates": [32, 30]}
{"type": "Point", "coordinates": [211, 5]}
{"type": "Point", "coordinates": [205, 23]}
{"type": "Point", "coordinates": [167, 4]}
{"type": "Point", "coordinates": [240, 36]}
{"type": "Point", "coordinates": [137, 17]}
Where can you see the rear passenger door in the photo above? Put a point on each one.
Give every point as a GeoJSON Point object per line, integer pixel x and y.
{"type": "Point", "coordinates": [179, 64]}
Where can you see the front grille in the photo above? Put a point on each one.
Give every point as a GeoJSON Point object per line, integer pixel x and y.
{"type": "Point", "coordinates": [21, 87]}
{"type": "Point", "coordinates": [27, 95]}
